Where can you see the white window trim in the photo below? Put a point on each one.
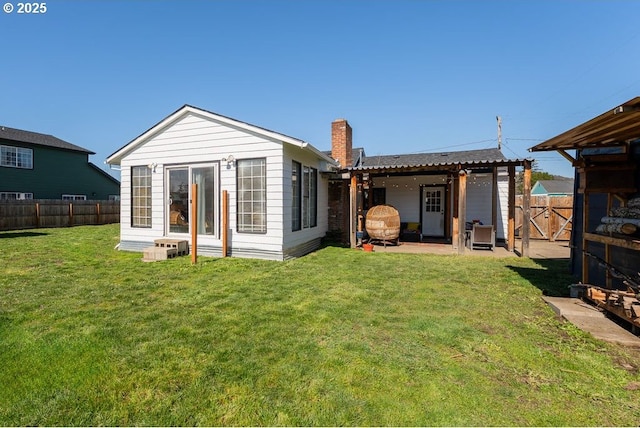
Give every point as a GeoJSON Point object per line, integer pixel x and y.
{"type": "Point", "coordinates": [70, 197]}
{"type": "Point", "coordinates": [20, 196]}
{"type": "Point", "coordinates": [242, 227]}
{"type": "Point", "coordinates": [307, 198]}
{"type": "Point", "coordinates": [148, 208]}
{"type": "Point", "coordinates": [216, 195]}
{"type": "Point", "coordinates": [18, 150]}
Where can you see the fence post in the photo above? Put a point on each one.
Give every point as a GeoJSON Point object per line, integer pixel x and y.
{"type": "Point", "coordinates": [98, 211]}
{"type": "Point", "coordinates": [70, 214]}
{"type": "Point", "coordinates": [37, 214]}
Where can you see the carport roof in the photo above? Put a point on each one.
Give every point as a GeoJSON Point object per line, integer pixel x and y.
{"type": "Point", "coordinates": [614, 127]}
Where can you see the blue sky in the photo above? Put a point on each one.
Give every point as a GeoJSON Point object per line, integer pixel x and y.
{"type": "Point", "coordinates": [409, 76]}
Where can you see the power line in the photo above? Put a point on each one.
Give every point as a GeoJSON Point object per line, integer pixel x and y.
{"type": "Point", "coordinates": [456, 145]}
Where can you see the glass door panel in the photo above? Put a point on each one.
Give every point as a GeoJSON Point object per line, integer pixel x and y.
{"type": "Point", "coordinates": [204, 178]}
{"type": "Point", "coordinates": [178, 185]}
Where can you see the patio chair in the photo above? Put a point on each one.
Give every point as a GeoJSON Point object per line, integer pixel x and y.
{"type": "Point", "coordinates": [483, 236]}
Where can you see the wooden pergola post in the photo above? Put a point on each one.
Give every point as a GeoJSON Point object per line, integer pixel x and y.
{"type": "Point", "coordinates": [511, 226]}
{"type": "Point", "coordinates": [225, 222]}
{"type": "Point", "coordinates": [494, 199]}
{"type": "Point", "coordinates": [462, 208]}
{"type": "Point", "coordinates": [194, 223]}
{"type": "Point", "coordinates": [353, 210]}
{"type": "Point", "coordinates": [455, 226]}
{"type": "Point", "coordinates": [526, 208]}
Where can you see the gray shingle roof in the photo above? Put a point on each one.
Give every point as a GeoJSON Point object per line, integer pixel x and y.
{"type": "Point", "coordinates": [22, 136]}
{"type": "Point", "coordinates": [557, 186]}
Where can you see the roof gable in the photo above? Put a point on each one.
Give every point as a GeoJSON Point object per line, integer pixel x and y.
{"type": "Point", "coordinates": [185, 110]}
{"type": "Point", "coordinates": [22, 136]}
{"type": "Point", "coordinates": [556, 186]}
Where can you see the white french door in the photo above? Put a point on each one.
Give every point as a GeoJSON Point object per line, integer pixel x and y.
{"type": "Point", "coordinates": [179, 212]}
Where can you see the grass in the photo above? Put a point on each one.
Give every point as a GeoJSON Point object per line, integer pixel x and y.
{"type": "Point", "coordinates": [93, 336]}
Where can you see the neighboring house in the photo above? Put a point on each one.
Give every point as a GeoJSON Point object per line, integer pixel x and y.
{"type": "Point", "coordinates": [552, 188]}
{"type": "Point", "coordinates": [40, 166]}
{"type": "Point", "coordinates": [425, 188]}
{"type": "Point", "coordinates": [276, 185]}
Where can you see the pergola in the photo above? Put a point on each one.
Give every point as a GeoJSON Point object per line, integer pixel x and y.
{"type": "Point", "coordinates": [456, 172]}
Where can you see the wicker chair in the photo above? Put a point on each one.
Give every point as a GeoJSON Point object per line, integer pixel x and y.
{"type": "Point", "coordinates": [383, 224]}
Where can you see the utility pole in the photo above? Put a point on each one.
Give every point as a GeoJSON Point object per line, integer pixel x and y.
{"type": "Point", "coordinates": [499, 119]}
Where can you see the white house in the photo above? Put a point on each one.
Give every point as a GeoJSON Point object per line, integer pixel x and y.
{"type": "Point", "coordinates": [277, 187]}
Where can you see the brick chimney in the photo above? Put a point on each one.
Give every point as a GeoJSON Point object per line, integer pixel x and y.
{"type": "Point", "coordinates": [341, 142]}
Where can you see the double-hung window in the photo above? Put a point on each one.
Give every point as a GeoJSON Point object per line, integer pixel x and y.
{"type": "Point", "coordinates": [252, 195]}
{"type": "Point", "coordinates": [140, 196]}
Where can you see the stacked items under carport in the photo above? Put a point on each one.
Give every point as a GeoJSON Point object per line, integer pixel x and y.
{"type": "Point", "coordinates": [623, 303]}
{"type": "Point", "coordinates": [624, 220]}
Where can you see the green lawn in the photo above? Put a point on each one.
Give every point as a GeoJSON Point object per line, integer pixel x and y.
{"type": "Point", "coordinates": [94, 336]}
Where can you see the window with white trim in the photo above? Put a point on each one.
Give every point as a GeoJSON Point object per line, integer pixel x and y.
{"type": "Point", "coordinates": [304, 185]}
{"type": "Point", "coordinates": [252, 195]}
{"type": "Point", "coordinates": [296, 205]}
{"type": "Point", "coordinates": [140, 196]}
{"type": "Point", "coordinates": [74, 197]}
{"type": "Point", "coordinates": [16, 157]}
{"type": "Point", "coordinates": [15, 195]}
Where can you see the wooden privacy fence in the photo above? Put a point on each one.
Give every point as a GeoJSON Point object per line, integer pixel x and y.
{"type": "Point", "coordinates": [551, 217]}
{"type": "Point", "coordinates": [34, 213]}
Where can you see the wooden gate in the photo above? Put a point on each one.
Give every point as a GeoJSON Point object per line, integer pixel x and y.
{"type": "Point", "coordinates": [551, 217]}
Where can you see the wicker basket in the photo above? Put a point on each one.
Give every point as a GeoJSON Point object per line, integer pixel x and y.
{"type": "Point", "coordinates": [383, 223]}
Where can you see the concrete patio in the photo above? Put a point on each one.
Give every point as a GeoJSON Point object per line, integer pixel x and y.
{"type": "Point", "coordinates": [538, 249]}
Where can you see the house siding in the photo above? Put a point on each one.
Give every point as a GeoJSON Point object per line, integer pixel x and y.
{"type": "Point", "coordinates": [305, 239]}
{"type": "Point", "coordinates": [403, 193]}
{"type": "Point", "coordinates": [479, 191]}
{"type": "Point", "coordinates": [56, 172]}
{"type": "Point", "coordinates": [503, 205]}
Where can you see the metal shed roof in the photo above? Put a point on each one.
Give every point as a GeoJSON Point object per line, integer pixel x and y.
{"type": "Point", "coordinates": [614, 127]}
{"type": "Point", "coordinates": [437, 161]}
